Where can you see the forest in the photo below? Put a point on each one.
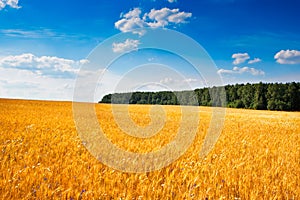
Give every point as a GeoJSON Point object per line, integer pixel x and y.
{"type": "Point", "coordinates": [259, 96]}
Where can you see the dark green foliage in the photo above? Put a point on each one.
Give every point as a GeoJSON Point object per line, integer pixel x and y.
{"type": "Point", "coordinates": [259, 96]}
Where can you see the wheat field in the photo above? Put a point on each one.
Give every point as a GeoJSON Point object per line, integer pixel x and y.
{"type": "Point", "coordinates": [42, 156]}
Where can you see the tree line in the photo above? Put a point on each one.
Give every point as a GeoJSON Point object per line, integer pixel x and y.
{"type": "Point", "coordinates": [259, 96]}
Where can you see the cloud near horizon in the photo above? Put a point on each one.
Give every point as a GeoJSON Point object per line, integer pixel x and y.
{"type": "Point", "coordinates": [43, 65]}
{"type": "Point", "coordinates": [242, 70]}
{"type": "Point", "coordinates": [154, 19]}
{"type": "Point", "coordinates": [288, 57]}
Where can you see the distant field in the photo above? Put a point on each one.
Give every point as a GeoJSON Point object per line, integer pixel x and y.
{"type": "Point", "coordinates": [41, 156]}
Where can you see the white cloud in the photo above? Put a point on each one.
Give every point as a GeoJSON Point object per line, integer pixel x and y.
{"type": "Point", "coordinates": [288, 57]}
{"type": "Point", "coordinates": [165, 16]}
{"type": "Point", "coordinates": [240, 58]}
{"type": "Point", "coordinates": [154, 19]}
{"type": "Point", "coordinates": [172, 1]}
{"type": "Point", "coordinates": [255, 60]}
{"type": "Point", "coordinates": [190, 80]}
{"type": "Point", "coordinates": [131, 21]}
{"type": "Point", "coordinates": [179, 17]}
{"type": "Point", "coordinates": [167, 80]}
{"type": "Point", "coordinates": [136, 12]}
{"type": "Point", "coordinates": [83, 61]}
{"type": "Point", "coordinates": [128, 45]}
{"type": "Point", "coordinates": [16, 83]}
{"type": "Point", "coordinates": [242, 70]}
{"type": "Point", "coordinates": [43, 65]}
{"type": "Point", "coordinates": [11, 3]}
{"type": "Point", "coordinates": [27, 76]}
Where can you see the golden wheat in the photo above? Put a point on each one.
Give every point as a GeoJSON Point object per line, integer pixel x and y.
{"type": "Point", "coordinates": [42, 156]}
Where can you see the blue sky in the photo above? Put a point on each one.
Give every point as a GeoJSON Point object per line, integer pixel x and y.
{"type": "Point", "coordinates": [44, 43]}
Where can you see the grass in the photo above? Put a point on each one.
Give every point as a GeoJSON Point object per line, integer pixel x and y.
{"type": "Point", "coordinates": [42, 156]}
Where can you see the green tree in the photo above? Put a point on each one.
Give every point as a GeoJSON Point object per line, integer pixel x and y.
{"type": "Point", "coordinates": [260, 101]}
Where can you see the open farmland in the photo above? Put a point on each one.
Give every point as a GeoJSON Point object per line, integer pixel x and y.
{"type": "Point", "coordinates": [41, 156]}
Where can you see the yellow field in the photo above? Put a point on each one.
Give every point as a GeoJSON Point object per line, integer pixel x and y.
{"type": "Point", "coordinates": [41, 154]}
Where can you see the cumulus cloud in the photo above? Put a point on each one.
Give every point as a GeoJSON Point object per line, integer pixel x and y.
{"type": "Point", "coordinates": [128, 45]}
{"type": "Point", "coordinates": [242, 70]}
{"type": "Point", "coordinates": [131, 21]}
{"type": "Point", "coordinates": [172, 1]}
{"type": "Point", "coordinates": [288, 57]}
{"type": "Point", "coordinates": [43, 65]}
{"type": "Point", "coordinates": [255, 60]}
{"type": "Point", "coordinates": [240, 58]}
{"type": "Point", "coordinates": [136, 12]}
{"type": "Point", "coordinates": [154, 19]}
{"type": "Point", "coordinates": [165, 16]}
{"type": "Point", "coordinates": [10, 3]}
